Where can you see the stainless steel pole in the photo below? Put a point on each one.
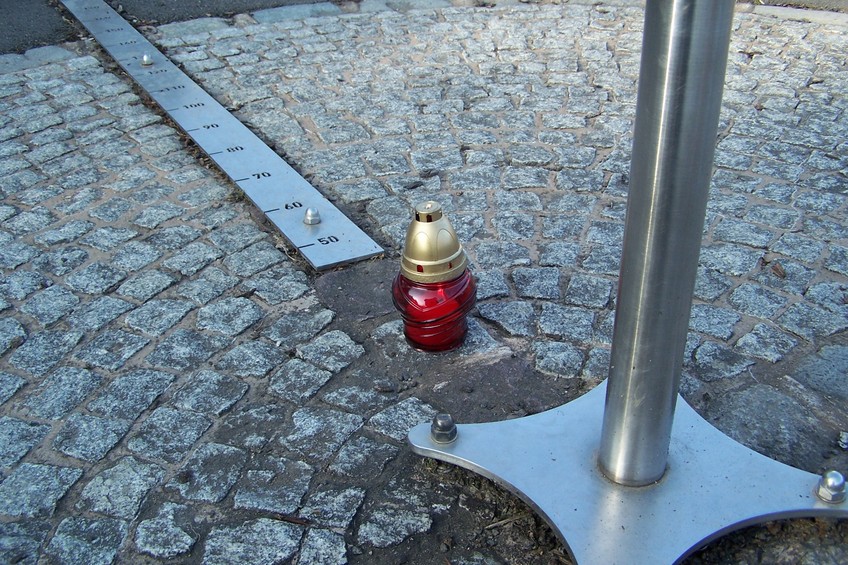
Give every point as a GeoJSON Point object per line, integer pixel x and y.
{"type": "Point", "coordinates": [684, 58]}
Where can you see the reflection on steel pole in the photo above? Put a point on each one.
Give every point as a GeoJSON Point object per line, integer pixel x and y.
{"type": "Point", "coordinates": [684, 57]}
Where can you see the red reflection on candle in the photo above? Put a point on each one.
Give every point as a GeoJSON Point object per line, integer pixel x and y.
{"type": "Point", "coordinates": [435, 314]}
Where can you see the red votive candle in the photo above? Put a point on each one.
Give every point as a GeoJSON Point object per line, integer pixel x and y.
{"type": "Point", "coordinates": [434, 290]}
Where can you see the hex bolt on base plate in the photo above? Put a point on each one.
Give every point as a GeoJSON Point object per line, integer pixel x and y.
{"type": "Point", "coordinates": [713, 485]}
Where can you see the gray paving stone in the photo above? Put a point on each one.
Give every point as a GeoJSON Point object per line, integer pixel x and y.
{"type": "Point", "coordinates": [825, 371]}
{"type": "Point", "coordinates": [50, 305]}
{"type": "Point", "coordinates": [363, 458]}
{"type": "Point", "coordinates": [256, 541]}
{"type": "Point", "coordinates": [209, 194]}
{"type": "Point", "coordinates": [299, 327]}
{"type": "Point", "coordinates": [235, 238]}
{"type": "Point", "coordinates": [512, 226]}
{"type": "Point", "coordinates": [831, 296]}
{"type": "Point", "coordinates": [811, 322]}
{"type": "Point", "coordinates": [252, 428]}
{"type": "Point", "coordinates": [817, 201]}
{"type": "Point", "coordinates": [214, 217]}
{"type": "Point", "coordinates": [192, 258]}
{"type": "Point", "coordinates": [798, 247]}
{"type": "Point", "coordinates": [358, 399]}
{"type": "Point", "coordinates": [490, 284]}
{"type": "Point", "coordinates": [185, 349]}
{"type": "Point", "coordinates": [396, 421]}
{"type": "Point", "coordinates": [570, 322]}
{"type": "Point", "coordinates": [542, 282]}
{"type": "Point", "coordinates": [298, 381]}
{"type": "Point", "coordinates": [713, 320]}
{"type": "Point", "coordinates": [163, 536]}
{"type": "Point", "coordinates": [603, 260]}
{"type": "Point", "coordinates": [61, 392]}
{"type": "Point", "coordinates": [168, 434]}
{"type": "Point", "coordinates": [67, 233]}
{"type": "Point", "coordinates": [112, 349]}
{"type": "Point", "coordinates": [837, 260]}
{"type": "Point", "coordinates": [278, 284]}
{"type": "Point", "coordinates": [332, 351]}
{"type": "Point", "coordinates": [710, 284]}
{"type": "Point", "coordinates": [230, 316]}
{"type": "Point", "coordinates": [525, 178]}
{"type": "Point", "coordinates": [108, 238]}
{"type": "Point", "coordinates": [94, 541]}
{"type": "Point", "coordinates": [254, 258]}
{"type": "Point", "coordinates": [135, 255]}
{"type": "Point", "coordinates": [29, 221]}
{"type": "Point", "coordinates": [60, 262]}
{"type": "Point", "coordinates": [562, 360]}
{"type": "Point", "coordinates": [36, 195]}
{"type": "Point", "coordinates": [20, 284]}
{"type": "Point", "coordinates": [606, 233]}
{"type": "Point", "coordinates": [210, 473]}
{"type": "Point", "coordinates": [155, 317]}
{"type": "Point", "coordinates": [34, 490]}
{"type": "Point", "coordinates": [501, 254]}
{"type": "Point", "coordinates": [323, 546]}
{"type": "Point", "coordinates": [212, 283]}
{"type": "Point", "coordinates": [251, 359]}
{"type": "Point", "coordinates": [120, 490]}
{"type": "Point", "coordinates": [17, 438]}
{"type": "Point", "coordinates": [130, 394]}
{"type": "Point", "coordinates": [97, 278]}
{"type": "Point", "coordinates": [146, 284]}
{"type": "Point", "coordinates": [9, 385]}
{"type": "Point", "coordinates": [14, 255]}
{"type": "Point", "coordinates": [97, 313]}
{"type": "Point", "coordinates": [20, 542]}
{"type": "Point", "coordinates": [516, 317]}
{"type": "Point", "coordinates": [276, 485]}
{"type": "Point", "coordinates": [729, 259]}
{"type": "Point", "coordinates": [333, 507]}
{"type": "Point", "coordinates": [387, 526]}
{"type": "Point", "coordinates": [766, 342]}
{"type": "Point", "coordinates": [319, 432]}
{"type": "Point", "coordinates": [714, 361]}
{"type": "Point", "coordinates": [734, 231]}
{"type": "Point", "coordinates": [772, 216]}
{"type": "Point", "coordinates": [173, 238]}
{"type": "Point", "coordinates": [209, 392]}
{"type": "Point", "coordinates": [12, 334]}
{"type": "Point", "coordinates": [111, 210]}
{"type": "Point", "coordinates": [589, 291]}
{"type": "Point", "coordinates": [756, 300]}
{"type": "Point", "coordinates": [157, 214]}
{"type": "Point", "coordinates": [89, 437]}
{"type": "Point", "coordinates": [559, 254]}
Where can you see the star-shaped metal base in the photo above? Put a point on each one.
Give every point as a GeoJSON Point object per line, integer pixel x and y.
{"type": "Point", "coordinates": [713, 485]}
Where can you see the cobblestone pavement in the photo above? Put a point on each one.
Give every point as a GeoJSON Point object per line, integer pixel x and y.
{"type": "Point", "coordinates": [176, 386]}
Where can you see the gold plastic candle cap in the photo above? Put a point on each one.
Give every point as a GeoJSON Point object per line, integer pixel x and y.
{"type": "Point", "coordinates": [432, 252]}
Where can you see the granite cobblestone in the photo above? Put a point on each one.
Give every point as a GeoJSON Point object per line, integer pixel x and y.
{"type": "Point", "coordinates": [176, 384]}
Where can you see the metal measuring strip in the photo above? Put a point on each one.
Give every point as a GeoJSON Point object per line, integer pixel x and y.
{"type": "Point", "coordinates": [320, 232]}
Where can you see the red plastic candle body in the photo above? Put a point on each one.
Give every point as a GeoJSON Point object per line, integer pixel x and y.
{"type": "Point", "coordinates": [435, 314]}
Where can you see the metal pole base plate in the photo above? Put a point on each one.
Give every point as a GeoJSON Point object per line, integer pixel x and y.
{"type": "Point", "coordinates": [713, 485]}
